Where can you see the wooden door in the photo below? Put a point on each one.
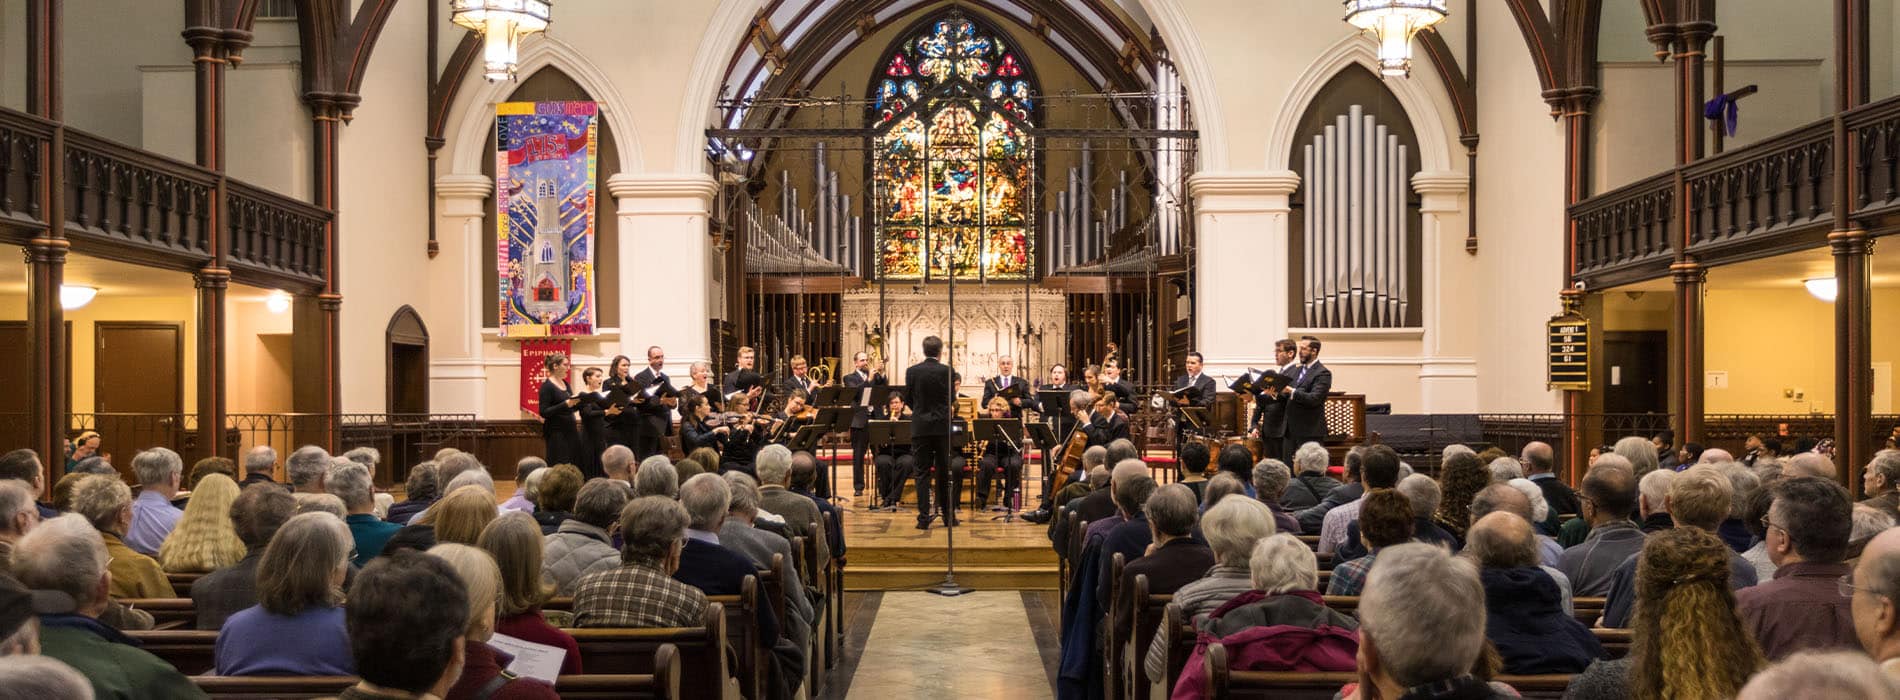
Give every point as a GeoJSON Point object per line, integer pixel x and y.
{"type": "Point", "coordinates": [138, 390]}
{"type": "Point", "coordinates": [1635, 370]}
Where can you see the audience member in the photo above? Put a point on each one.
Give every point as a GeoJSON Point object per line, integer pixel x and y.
{"type": "Point", "coordinates": [656, 479]}
{"type": "Point", "coordinates": [1461, 476]}
{"type": "Point", "coordinates": [105, 502]}
{"type": "Point", "coordinates": [299, 597]}
{"type": "Point", "coordinates": [642, 592]}
{"type": "Point", "coordinates": [460, 516]}
{"type": "Point", "coordinates": [256, 516]}
{"type": "Point", "coordinates": [405, 622]}
{"type": "Point", "coordinates": [455, 464]}
{"type": "Point", "coordinates": [1811, 464]}
{"type": "Point", "coordinates": [1232, 528]}
{"type": "Point", "coordinates": [703, 562]}
{"type": "Point", "coordinates": [320, 503]}
{"type": "Point", "coordinates": [1313, 518]}
{"type": "Point", "coordinates": [1271, 479]}
{"type": "Point", "coordinates": [1418, 634]}
{"type": "Point", "coordinates": [1190, 466]}
{"type": "Point", "coordinates": [1808, 526]}
{"type": "Point", "coordinates": [65, 555]}
{"type": "Point", "coordinates": [1644, 455]}
{"type": "Point", "coordinates": [260, 466]}
{"type": "Point", "coordinates": [34, 677]}
{"type": "Point", "coordinates": [1651, 490]}
{"type": "Point", "coordinates": [203, 468]}
{"type": "Point", "coordinates": [413, 538]}
{"type": "Point", "coordinates": [1500, 497]}
{"type": "Point", "coordinates": [738, 534]}
{"type": "Point", "coordinates": [1608, 493]}
{"type": "Point", "coordinates": [1378, 469]}
{"type": "Point", "coordinates": [617, 461]}
{"type": "Point", "coordinates": [1698, 498]}
{"type": "Point", "coordinates": [1282, 623]}
{"type": "Point", "coordinates": [1817, 675]}
{"type": "Point", "coordinates": [1539, 466]}
{"type": "Point", "coordinates": [23, 465]}
{"type": "Point", "coordinates": [514, 540]}
{"type": "Point", "coordinates": [1541, 517]}
{"type": "Point", "coordinates": [1422, 491]}
{"type": "Point", "coordinates": [1131, 537]}
{"type": "Point", "coordinates": [419, 492]}
{"type": "Point", "coordinates": [352, 485]}
{"type": "Point", "coordinates": [802, 518]}
{"type": "Point", "coordinates": [527, 485]}
{"type": "Point", "coordinates": [306, 469]}
{"type": "Point", "coordinates": [584, 543]}
{"type": "Point", "coordinates": [1173, 559]}
{"type": "Point", "coordinates": [17, 517]}
{"type": "Point", "coordinates": [204, 540]}
{"type": "Point", "coordinates": [1386, 519]}
{"type": "Point", "coordinates": [1126, 470]}
{"type": "Point", "coordinates": [1525, 616]}
{"type": "Point", "coordinates": [804, 480]}
{"type": "Point", "coordinates": [1868, 521]}
{"type": "Point", "coordinates": [1223, 484]}
{"type": "Point", "coordinates": [1880, 481]}
{"type": "Point", "coordinates": [1504, 469]}
{"type": "Point", "coordinates": [1310, 483]}
{"type": "Point", "coordinates": [1742, 484]}
{"type": "Point", "coordinates": [1686, 639]}
{"type": "Point", "coordinates": [554, 504]}
{"type": "Point", "coordinates": [483, 677]}
{"type": "Point", "coordinates": [1875, 600]}
{"type": "Point", "coordinates": [1756, 517]}
{"type": "Point", "coordinates": [160, 472]}
{"type": "Point", "coordinates": [84, 447]}
{"type": "Point", "coordinates": [472, 477]}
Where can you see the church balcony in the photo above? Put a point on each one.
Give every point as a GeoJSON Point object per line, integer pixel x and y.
{"type": "Point", "coordinates": [1626, 234]}
{"type": "Point", "coordinates": [127, 204]}
{"type": "Point", "coordinates": [1774, 196]}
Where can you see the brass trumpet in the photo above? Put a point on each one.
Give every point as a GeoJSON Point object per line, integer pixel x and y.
{"type": "Point", "coordinates": [825, 371]}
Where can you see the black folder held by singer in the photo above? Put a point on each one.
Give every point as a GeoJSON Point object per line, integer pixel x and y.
{"type": "Point", "coordinates": [1256, 381]}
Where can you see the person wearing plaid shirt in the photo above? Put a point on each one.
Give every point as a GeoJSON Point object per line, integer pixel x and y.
{"type": "Point", "coordinates": [641, 592]}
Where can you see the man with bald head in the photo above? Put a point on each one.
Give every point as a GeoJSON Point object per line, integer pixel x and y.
{"type": "Point", "coordinates": [1609, 494]}
{"type": "Point", "coordinates": [1876, 600]}
{"type": "Point", "coordinates": [1810, 464]}
{"type": "Point", "coordinates": [1505, 498]}
{"type": "Point", "coordinates": [1524, 613]}
{"type": "Point", "coordinates": [1540, 466]}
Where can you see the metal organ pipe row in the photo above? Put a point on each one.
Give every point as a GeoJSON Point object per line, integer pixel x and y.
{"type": "Point", "coordinates": [1170, 113]}
{"type": "Point", "coordinates": [819, 240]}
{"type": "Point", "coordinates": [1078, 233]}
{"type": "Point", "coordinates": [1355, 225]}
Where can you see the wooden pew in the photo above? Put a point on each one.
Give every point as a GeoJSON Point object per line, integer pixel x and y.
{"type": "Point", "coordinates": [815, 652]}
{"type": "Point", "coordinates": [1146, 614]}
{"type": "Point", "coordinates": [662, 683]}
{"type": "Point", "coordinates": [167, 613]}
{"type": "Point", "coordinates": [699, 651]}
{"type": "Point", "coordinates": [1065, 518]}
{"type": "Point", "coordinates": [1111, 652]}
{"type": "Point", "coordinates": [752, 650]}
{"type": "Point", "coordinates": [192, 652]}
{"type": "Point", "coordinates": [181, 583]}
{"type": "Point", "coordinates": [834, 597]}
{"type": "Point", "coordinates": [1223, 684]}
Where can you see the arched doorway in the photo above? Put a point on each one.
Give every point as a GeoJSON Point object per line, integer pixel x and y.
{"type": "Point", "coordinates": [408, 356]}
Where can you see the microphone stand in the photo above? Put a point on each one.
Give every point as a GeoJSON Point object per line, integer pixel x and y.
{"type": "Point", "coordinates": [949, 588]}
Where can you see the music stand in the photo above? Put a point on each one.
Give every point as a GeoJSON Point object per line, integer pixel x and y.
{"type": "Point", "coordinates": [1045, 439]}
{"type": "Point", "coordinates": [1053, 401]}
{"type": "Point", "coordinates": [1196, 418]}
{"type": "Point", "coordinates": [889, 432]}
{"type": "Point", "coordinates": [806, 439]}
{"type": "Point", "coordinates": [834, 419]}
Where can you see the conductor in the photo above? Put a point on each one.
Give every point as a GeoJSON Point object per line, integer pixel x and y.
{"type": "Point", "coordinates": [929, 385]}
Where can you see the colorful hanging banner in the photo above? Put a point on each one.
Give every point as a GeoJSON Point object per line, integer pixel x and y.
{"type": "Point", "coordinates": [534, 368]}
{"type": "Point", "coordinates": [544, 191]}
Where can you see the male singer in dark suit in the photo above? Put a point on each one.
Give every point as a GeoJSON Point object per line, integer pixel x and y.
{"type": "Point", "coordinates": [930, 394]}
{"type": "Point", "coordinates": [1269, 409]}
{"type": "Point", "coordinates": [860, 377]}
{"type": "Point", "coordinates": [656, 417]}
{"type": "Point", "coordinates": [729, 385]}
{"type": "Point", "coordinates": [1306, 399]}
{"type": "Point", "coordinates": [1004, 379]}
{"type": "Point", "coordinates": [1203, 392]}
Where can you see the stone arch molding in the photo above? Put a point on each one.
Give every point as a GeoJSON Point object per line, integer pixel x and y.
{"type": "Point", "coordinates": [1427, 107]}
{"type": "Point", "coordinates": [732, 22]}
{"type": "Point", "coordinates": [474, 120]}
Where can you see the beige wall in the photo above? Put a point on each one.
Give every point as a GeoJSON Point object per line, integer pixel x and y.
{"type": "Point", "coordinates": [257, 357]}
{"type": "Point", "coordinates": [1771, 340]}
{"type": "Point", "coordinates": [179, 307]}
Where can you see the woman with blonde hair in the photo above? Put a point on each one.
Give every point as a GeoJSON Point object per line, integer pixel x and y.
{"type": "Point", "coordinates": [514, 540]}
{"type": "Point", "coordinates": [483, 664]}
{"type": "Point", "coordinates": [460, 516]}
{"type": "Point", "coordinates": [300, 599]}
{"type": "Point", "coordinates": [205, 539]}
{"type": "Point", "coordinates": [1686, 640]}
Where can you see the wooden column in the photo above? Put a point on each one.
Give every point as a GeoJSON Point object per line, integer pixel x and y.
{"type": "Point", "coordinates": [212, 281]}
{"type": "Point", "coordinates": [42, 58]}
{"type": "Point", "coordinates": [327, 111]}
{"type": "Point", "coordinates": [1849, 242]}
{"type": "Point", "coordinates": [209, 64]}
{"type": "Point", "coordinates": [1576, 104]}
{"type": "Point", "coordinates": [46, 253]}
{"type": "Point", "coordinates": [1690, 36]}
{"type": "Point", "coordinates": [1685, 347]}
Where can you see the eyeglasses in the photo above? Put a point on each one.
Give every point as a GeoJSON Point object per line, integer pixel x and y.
{"type": "Point", "coordinates": [1767, 524]}
{"type": "Point", "coordinates": [1846, 585]}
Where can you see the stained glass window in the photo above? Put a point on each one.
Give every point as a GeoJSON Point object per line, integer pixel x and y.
{"type": "Point", "coordinates": [951, 106]}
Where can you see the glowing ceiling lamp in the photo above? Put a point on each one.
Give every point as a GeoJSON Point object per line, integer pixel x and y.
{"type": "Point", "coordinates": [502, 24]}
{"type": "Point", "coordinates": [73, 296]}
{"type": "Point", "coordinates": [1823, 288]}
{"type": "Point", "coordinates": [1394, 22]}
{"type": "Point", "coordinates": [278, 302]}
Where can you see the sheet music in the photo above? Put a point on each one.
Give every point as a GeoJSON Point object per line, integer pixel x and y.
{"type": "Point", "coordinates": [538, 661]}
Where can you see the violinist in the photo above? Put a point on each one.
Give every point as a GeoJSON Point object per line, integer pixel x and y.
{"type": "Point", "coordinates": [701, 385]}
{"type": "Point", "coordinates": [894, 462]}
{"type": "Point", "coordinates": [623, 426]}
{"type": "Point", "coordinates": [860, 376]}
{"type": "Point", "coordinates": [751, 431]}
{"type": "Point", "coordinates": [700, 427]}
{"type": "Point", "coordinates": [594, 423]}
{"type": "Point", "coordinates": [1104, 424]}
{"type": "Point", "coordinates": [797, 414]}
{"type": "Point", "coordinates": [557, 410]}
{"type": "Point", "coordinates": [1000, 458]}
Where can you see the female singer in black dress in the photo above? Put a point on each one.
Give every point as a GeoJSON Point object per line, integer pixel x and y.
{"type": "Point", "coordinates": [620, 426]}
{"type": "Point", "coordinates": [594, 423]}
{"type": "Point", "coordinates": [701, 385]}
{"type": "Point", "coordinates": [558, 404]}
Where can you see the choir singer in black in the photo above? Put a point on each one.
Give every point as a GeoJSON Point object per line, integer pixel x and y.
{"type": "Point", "coordinates": [557, 403]}
{"type": "Point", "coordinates": [861, 376]}
{"type": "Point", "coordinates": [930, 394]}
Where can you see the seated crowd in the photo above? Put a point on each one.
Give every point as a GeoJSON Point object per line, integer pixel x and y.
{"type": "Point", "coordinates": [412, 598]}
{"type": "Point", "coordinates": [1685, 575]}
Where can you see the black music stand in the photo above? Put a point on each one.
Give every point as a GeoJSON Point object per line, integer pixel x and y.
{"type": "Point", "coordinates": [1010, 432]}
{"type": "Point", "coordinates": [1045, 439]}
{"type": "Point", "coordinates": [806, 439]}
{"type": "Point", "coordinates": [833, 418]}
{"type": "Point", "coordinates": [889, 432]}
{"type": "Point", "coordinates": [1053, 401]}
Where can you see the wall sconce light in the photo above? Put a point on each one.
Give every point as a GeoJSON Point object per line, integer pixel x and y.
{"type": "Point", "coordinates": [1823, 288]}
{"type": "Point", "coordinates": [278, 302]}
{"type": "Point", "coordinates": [73, 296]}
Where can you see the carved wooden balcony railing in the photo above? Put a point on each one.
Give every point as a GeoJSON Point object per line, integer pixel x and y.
{"type": "Point", "coordinates": [273, 235]}
{"type": "Point", "coordinates": [127, 204]}
{"type": "Point", "coordinates": [127, 195]}
{"type": "Point", "coordinates": [1876, 130]}
{"type": "Point", "coordinates": [1627, 233]}
{"type": "Point", "coordinates": [1776, 193]}
{"type": "Point", "coordinates": [23, 138]}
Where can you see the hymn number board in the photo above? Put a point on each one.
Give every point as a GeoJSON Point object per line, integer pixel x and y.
{"type": "Point", "coordinates": [1569, 352]}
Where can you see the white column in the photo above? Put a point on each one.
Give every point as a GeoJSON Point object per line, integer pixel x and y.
{"type": "Point", "coordinates": [458, 381]}
{"type": "Point", "coordinates": [1448, 372]}
{"type": "Point", "coordinates": [666, 265]}
{"type": "Point", "coordinates": [1240, 261]}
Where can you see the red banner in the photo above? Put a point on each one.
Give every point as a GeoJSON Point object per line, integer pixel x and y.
{"type": "Point", "coordinates": [534, 369]}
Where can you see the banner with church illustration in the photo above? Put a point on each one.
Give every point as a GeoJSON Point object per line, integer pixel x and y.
{"type": "Point", "coordinates": [544, 193]}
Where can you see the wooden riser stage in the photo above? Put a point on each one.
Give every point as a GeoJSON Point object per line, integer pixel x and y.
{"type": "Point", "coordinates": [888, 553]}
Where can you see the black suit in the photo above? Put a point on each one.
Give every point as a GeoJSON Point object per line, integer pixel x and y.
{"type": "Point", "coordinates": [894, 463]}
{"type": "Point", "coordinates": [994, 386]}
{"type": "Point", "coordinates": [796, 382]}
{"type": "Point", "coordinates": [1306, 406]}
{"type": "Point", "coordinates": [856, 382]}
{"type": "Point", "coordinates": [1104, 429]}
{"type": "Point", "coordinates": [928, 384]}
{"type": "Point", "coordinates": [1203, 398]}
{"type": "Point", "coordinates": [655, 419]}
{"type": "Point", "coordinates": [1269, 417]}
